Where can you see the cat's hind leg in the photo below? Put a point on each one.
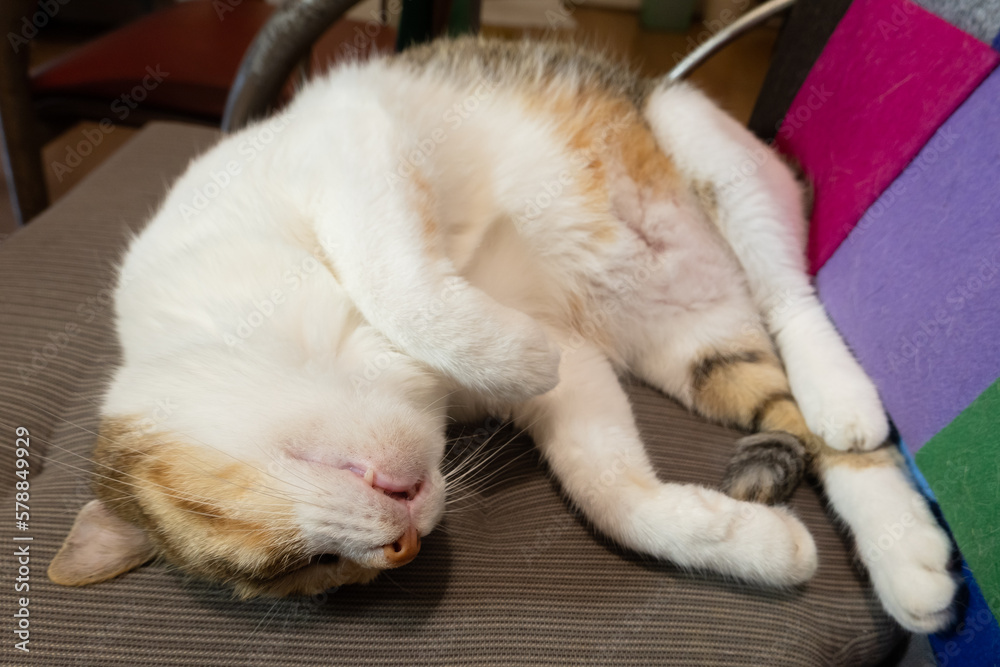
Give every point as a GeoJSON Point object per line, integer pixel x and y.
{"type": "Point", "coordinates": [758, 209]}
{"type": "Point", "coordinates": [736, 378]}
{"type": "Point", "coordinates": [898, 539]}
{"type": "Point", "coordinates": [586, 431]}
{"type": "Point", "coordinates": [717, 359]}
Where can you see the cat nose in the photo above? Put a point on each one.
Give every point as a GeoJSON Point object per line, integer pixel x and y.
{"type": "Point", "coordinates": [403, 550]}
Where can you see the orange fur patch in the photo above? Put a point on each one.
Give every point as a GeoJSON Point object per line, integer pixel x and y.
{"type": "Point", "coordinates": [209, 514]}
{"type": "Point", "coordinates": [786, 416]}
{"type": "Point", "coordinates": [732, 390]}
{"type": "Point", "coordinates": [749, 390]}
{"type": "Point", "coordinates": [884, 457]}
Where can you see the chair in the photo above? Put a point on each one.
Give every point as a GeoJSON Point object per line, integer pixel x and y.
{"type": "Point", "coordinates": [177, 63]}
{"type": "Point", "coordinates": [511, 578]}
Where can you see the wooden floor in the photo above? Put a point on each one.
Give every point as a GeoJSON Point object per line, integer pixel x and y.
{"type": "Point", "coordinates": [733, 78]}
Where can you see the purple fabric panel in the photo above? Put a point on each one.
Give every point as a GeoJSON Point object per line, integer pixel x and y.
{"type": "Point", "coordinates": [915, 289]}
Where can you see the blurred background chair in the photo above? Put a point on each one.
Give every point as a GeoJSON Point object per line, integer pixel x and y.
{"type": "Point", "coordinates": [176, 62]}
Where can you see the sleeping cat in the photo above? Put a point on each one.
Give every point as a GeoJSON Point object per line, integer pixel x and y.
{"type": "Point", "coordinates": [480, 227]}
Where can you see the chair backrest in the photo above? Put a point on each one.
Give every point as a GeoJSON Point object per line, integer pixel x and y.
{"type": "Point", "coordinates": [21, 144]}
{"type": "Point", "coordinates": [287, 38]}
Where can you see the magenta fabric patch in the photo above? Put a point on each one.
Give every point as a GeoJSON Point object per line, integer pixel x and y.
{"type": "Point", "coordinates": [890, 75]}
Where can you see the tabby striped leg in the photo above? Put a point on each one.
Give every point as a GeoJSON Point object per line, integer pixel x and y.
{"type": "Point", "coordinates": [734, 379]}
{"type": "Point", "coordinates": [586, 432]}
{"type": "Point", "coordinates": [740, 382]}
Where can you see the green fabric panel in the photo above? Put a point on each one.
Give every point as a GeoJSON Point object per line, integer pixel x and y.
{"type": "Point", "coordinates": [962, 466]}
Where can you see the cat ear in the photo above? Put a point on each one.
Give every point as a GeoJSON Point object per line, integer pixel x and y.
{"type": "Point", "coordinates": [100, 546]}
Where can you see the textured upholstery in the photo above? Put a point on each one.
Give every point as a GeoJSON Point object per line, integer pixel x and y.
{"type": "Point", "coordinates": [512, 576]}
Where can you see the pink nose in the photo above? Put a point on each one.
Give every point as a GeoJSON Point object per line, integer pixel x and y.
{"type": "Point", "coordinates": [403, 550]}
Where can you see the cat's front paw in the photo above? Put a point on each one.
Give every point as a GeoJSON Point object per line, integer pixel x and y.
{"type": "Point", "coordinates": [757, 543]}
{"type": "Point", "coordinates": [535, 371]}
{"type": "Point", "coordinates": [786, 555]}
{"type": "Point", "coordinates": [838, 400]}
{"type": "Point", "coordinates": [909, 568]}
{"type": "Point", "coordinates": [848, 416]}
{"type": "Point", "coordinates": [523, 362]}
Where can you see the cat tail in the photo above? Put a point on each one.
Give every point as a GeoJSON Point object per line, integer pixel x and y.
{"type": "Point", "coordinates": [897, 538]}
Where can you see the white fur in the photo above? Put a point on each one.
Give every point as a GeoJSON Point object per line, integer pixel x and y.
{"type": "Point", "coordinates": [899, 541]}
{"type": "Point", "coordinates": [366, 330]}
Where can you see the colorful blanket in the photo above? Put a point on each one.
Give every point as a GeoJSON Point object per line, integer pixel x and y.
{"type": "Point", "coordinates": [898, 125]}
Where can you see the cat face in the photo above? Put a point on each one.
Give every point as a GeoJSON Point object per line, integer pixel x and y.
{"type": "Point", "coordinates": [292, 481]}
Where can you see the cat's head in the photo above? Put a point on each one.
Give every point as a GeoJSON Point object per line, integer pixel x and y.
{"type": "Point", "coordinates": [273, 479]}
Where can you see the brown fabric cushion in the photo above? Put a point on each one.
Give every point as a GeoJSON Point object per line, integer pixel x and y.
{"type": "Point", "coordinates": [511, 577]}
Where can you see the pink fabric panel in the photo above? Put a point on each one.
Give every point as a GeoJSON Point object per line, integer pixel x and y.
{"type": "Point", "coordinates": [890, 75]}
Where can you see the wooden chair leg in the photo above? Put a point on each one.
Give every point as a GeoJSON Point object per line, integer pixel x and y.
{"type": "Point", "coordinates": [22, 151]}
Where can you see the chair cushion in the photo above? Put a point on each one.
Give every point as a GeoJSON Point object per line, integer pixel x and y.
{"type": "Point", "coordinates": [511, 577]}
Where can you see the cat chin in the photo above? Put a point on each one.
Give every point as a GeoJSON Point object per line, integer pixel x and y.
{"type": "Point", "coordinates": [311, 580]}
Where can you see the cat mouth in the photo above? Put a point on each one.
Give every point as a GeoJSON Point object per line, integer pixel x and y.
{"type": "Point", "coordinates": [406, 547]}
{"type": "Point", "coordinates": [398, 489]}
{"type": "Point", "coordinates": [401, 488]}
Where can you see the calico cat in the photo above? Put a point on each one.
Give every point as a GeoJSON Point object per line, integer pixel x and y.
{"type": "Point", "coordinates": [480, 227]}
